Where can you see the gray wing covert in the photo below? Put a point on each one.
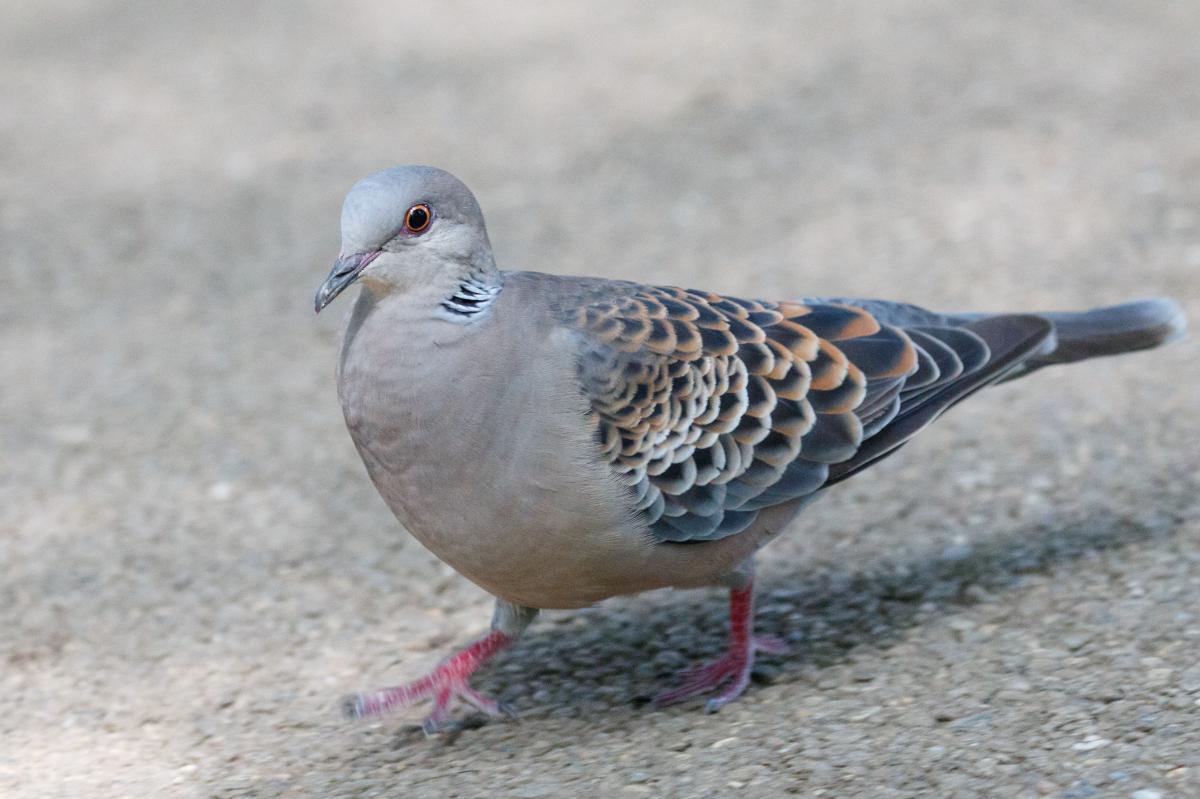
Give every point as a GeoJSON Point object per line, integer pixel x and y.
{"type": "Point", "coordinates": [712, 408]}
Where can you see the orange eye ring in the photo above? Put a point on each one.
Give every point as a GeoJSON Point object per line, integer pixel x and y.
{"type": "Point", "coordinates": [418, 218]}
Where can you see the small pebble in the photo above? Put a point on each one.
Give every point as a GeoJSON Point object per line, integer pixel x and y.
{"type": "Point", "coordinates": [1159, 678]}
{"type": "Point", "coordinates": [1090, 743]}
{"type": "Point", "coordinates": [1080, 790]}
{"type": "Point", "coordinates": [1076, 641]}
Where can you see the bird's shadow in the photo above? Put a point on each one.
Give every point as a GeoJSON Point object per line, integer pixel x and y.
{"type": "Point", "coordinates": [618, 654]}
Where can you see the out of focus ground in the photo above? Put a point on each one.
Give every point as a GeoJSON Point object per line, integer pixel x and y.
{"type": "Point", "coordinates": [195, 568]}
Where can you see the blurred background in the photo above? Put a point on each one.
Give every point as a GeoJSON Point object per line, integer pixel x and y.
{"type": "Point", "coordinates": [194, 567]}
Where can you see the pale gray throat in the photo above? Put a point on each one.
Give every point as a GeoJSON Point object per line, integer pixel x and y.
{"type": "Point", "coordinates": [473, 296]}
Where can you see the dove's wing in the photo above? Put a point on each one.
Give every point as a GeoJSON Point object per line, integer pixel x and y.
{"type": "Point", "coordinates": [712, 408]}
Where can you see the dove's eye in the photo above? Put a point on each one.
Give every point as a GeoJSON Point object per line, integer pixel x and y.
{"type": "Point", "coordinates": [418, 218]}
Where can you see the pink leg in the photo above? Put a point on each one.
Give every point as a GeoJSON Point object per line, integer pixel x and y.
{"type": "Point", "coordinates": [451, 679]}
{"type": "Point", "coordinates": [734, 667]}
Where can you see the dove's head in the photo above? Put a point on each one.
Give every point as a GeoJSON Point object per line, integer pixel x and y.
{"type": "Point", "coordinates": [407, 227]}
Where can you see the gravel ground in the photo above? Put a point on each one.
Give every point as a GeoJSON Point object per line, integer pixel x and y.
{"type": "Point", "coordinates": [195, 567]}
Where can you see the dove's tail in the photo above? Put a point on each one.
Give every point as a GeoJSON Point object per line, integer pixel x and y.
{"type": "Point", "coordinates": [1131, 326]}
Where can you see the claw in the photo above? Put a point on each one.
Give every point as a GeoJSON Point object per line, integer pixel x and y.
{"type": "Point", "coordinates": [445, 684]}
{"type": "Point", "coordinates": [733, 667]}
{"type": "Point", "coordinates": [352, 706]}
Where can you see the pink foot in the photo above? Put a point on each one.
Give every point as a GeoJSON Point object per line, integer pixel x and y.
{"type": "Point", "coordinates": [448, 682]}
{"type": "Point", "coordinates": [734, 666]}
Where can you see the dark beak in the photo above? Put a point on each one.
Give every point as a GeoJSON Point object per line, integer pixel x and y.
{"type": "Point", "coordinates": [345, 271]}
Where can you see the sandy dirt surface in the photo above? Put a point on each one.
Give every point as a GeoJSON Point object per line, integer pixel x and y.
{"type": "Point", "coordinates": [195, 568]}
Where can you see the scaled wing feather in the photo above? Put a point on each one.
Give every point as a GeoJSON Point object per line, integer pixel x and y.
{"type": "Point", "coordinates": [711, 408]}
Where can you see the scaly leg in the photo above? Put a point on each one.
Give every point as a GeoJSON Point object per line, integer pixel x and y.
{"type": "Point", "coordinates": [451, 679]}
{"type": "Point", "coordinates": [735, 666]}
